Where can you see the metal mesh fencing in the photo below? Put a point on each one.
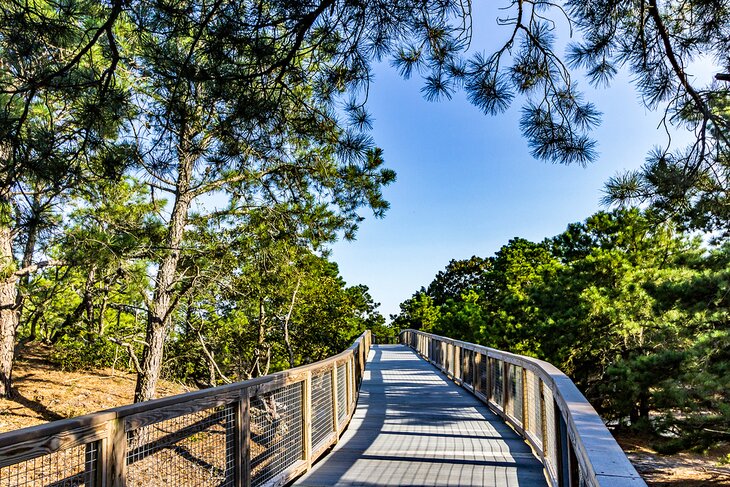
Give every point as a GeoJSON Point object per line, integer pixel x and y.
{"type": "Point", "coordinates": [353, 385]}
{"type": "Point", "coordinates": [276, 432]}
{"type": "Point", "coordinates": [534, 412]}
{"type": "Point", "coordinates": [581, 479]}
{"type": "Point", "coordinates": [551, 449]}
{"type": "Point", "coordinates": [341, 393]}
{"type": "Point", "coordinates": [193, 450]}
{"type": "Point", "coordinates": [455, 361]}
{"type": "Point", "coordinates": [322, 420]}
{"type": "Point", "coordinates": [508, 384]}
{"type": "Point", "coordinates": [454, 358]}
{"type": "Point", "coordinates": [72, 467]}
{"type": "Point", "coordinates": [483, 378]}
{"type": "Point", "coordinates": [467, 369]}
{"type": "Point", "coordinates": [497, 381]}
{"type": "Point", "coordinates": [517, 392]}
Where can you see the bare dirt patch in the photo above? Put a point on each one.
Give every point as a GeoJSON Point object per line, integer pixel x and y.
{"type": "Point", "coordinates": [679, 470]}
{"type": "Point", "coordinates": [44, 393]}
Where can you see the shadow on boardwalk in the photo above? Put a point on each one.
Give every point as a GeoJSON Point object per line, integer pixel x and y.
{"type": "Point", "coordinates": [413, 427]}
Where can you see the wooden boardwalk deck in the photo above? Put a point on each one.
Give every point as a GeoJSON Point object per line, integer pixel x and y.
{"type": "Point", "coordinates": [413, 426]}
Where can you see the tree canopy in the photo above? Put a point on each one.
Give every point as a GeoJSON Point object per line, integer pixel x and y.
{"type": "Point", "coordinates": [636, 313]}
{"type": "Point", "coordinates": [172, 171]}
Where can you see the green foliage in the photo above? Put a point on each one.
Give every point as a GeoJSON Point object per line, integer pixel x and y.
{"type": "Point", "coordinates": [242, 328]}
{"type": "Point", "coordinates": [73, 353]}
{"type": "Point", "coordinates": [635, 312]}
{"type": "Point", "coordinates": [418, 312]}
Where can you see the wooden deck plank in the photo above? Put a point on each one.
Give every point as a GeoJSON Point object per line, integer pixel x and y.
{"type": "Point", "coordinates": [413, 426]}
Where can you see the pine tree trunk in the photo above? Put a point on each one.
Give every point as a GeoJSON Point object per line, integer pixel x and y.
{"type": "Point", "coordinates": [8, 309]}
{"type": "Point", "coordinates": [287, 340]}
{"type": "Point", "coordinates": [262, 351]}
{"type": "Point", "coordinates": [159, 314]}
{"type": "Point", "coordinates": [644, 406]}
{"type": "Point", "coordinates": [28, 252]}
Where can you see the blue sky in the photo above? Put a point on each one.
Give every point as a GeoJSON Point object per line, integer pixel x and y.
{"type": "Point", "coordinates": [467, 183]}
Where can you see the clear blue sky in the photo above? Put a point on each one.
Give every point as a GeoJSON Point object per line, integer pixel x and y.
{"type": "Point", "coordinates": [467, 183]}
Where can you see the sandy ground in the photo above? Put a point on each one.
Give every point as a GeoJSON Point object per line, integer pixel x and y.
{"type": "Point", "coordinates": [680, 470]}
{"type": "Point", "coordinates": [43, 393]}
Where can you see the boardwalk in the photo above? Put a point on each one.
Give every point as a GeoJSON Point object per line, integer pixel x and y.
{"type": "Point", "coordinates": [413, 426]}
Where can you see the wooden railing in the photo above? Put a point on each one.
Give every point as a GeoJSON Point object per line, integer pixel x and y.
{"type": "Point", "coordinates": [263, 431]}
{"type": "Point", "coordinates": [541, 403]}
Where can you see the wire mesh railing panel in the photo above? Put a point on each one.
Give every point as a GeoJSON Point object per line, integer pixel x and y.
{"type": "Point", "coordinates": [483, 378]}
{"type": "Point", "coordinates": [322, 421]}
{"type": "Point", "coordinates": [456, 361]}
{"type": "Point", "coordinates": [534, 412]}
{"type": "Point", "coordinates": [353, 386]}
{"type": "Point", "coordinates": [467, 368]}
{"type": "Point", "coordinates": [72, 467]}
{"type": "Point", "coordinates": [276, 432]}
{"type": "Point", "coordinates": [508, 384]}
{"type": "Point", "coordinates": [341, 393]}
{"type": "Point", "coordinates": [551, 449]}
{"type": "Point", "coordinates": [516, 393]}
{"type": "Point", "coordinates": [497, 381]}
{"type": "Point", "coordinates": [582, 481]}
{"type": "Point", "coordinates": [193, 450]}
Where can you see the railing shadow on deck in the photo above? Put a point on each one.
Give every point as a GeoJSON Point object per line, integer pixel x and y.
{"type": "Point", "coordinates": [369, 427]}
{"type": "Point", "coordinates": [260, 432]}
{"type": "Point", "coordinates": [540, 403]}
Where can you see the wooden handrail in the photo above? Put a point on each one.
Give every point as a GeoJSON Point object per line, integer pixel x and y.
{"type": "Point", "coordinates": [101, 448]}
{"type": "Point", "coordinates": [574, 444]}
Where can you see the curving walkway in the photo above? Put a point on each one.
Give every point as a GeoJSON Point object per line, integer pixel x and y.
{"type": "Point", "coordinates": [413, 426]}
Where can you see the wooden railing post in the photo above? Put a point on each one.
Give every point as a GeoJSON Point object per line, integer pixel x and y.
{"type": "Point", "coordinates": [242, 457]}
{"type": "Point", "coordinates": [525, 405]}
{"type": "Point", "coordinates": [115, 454]}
